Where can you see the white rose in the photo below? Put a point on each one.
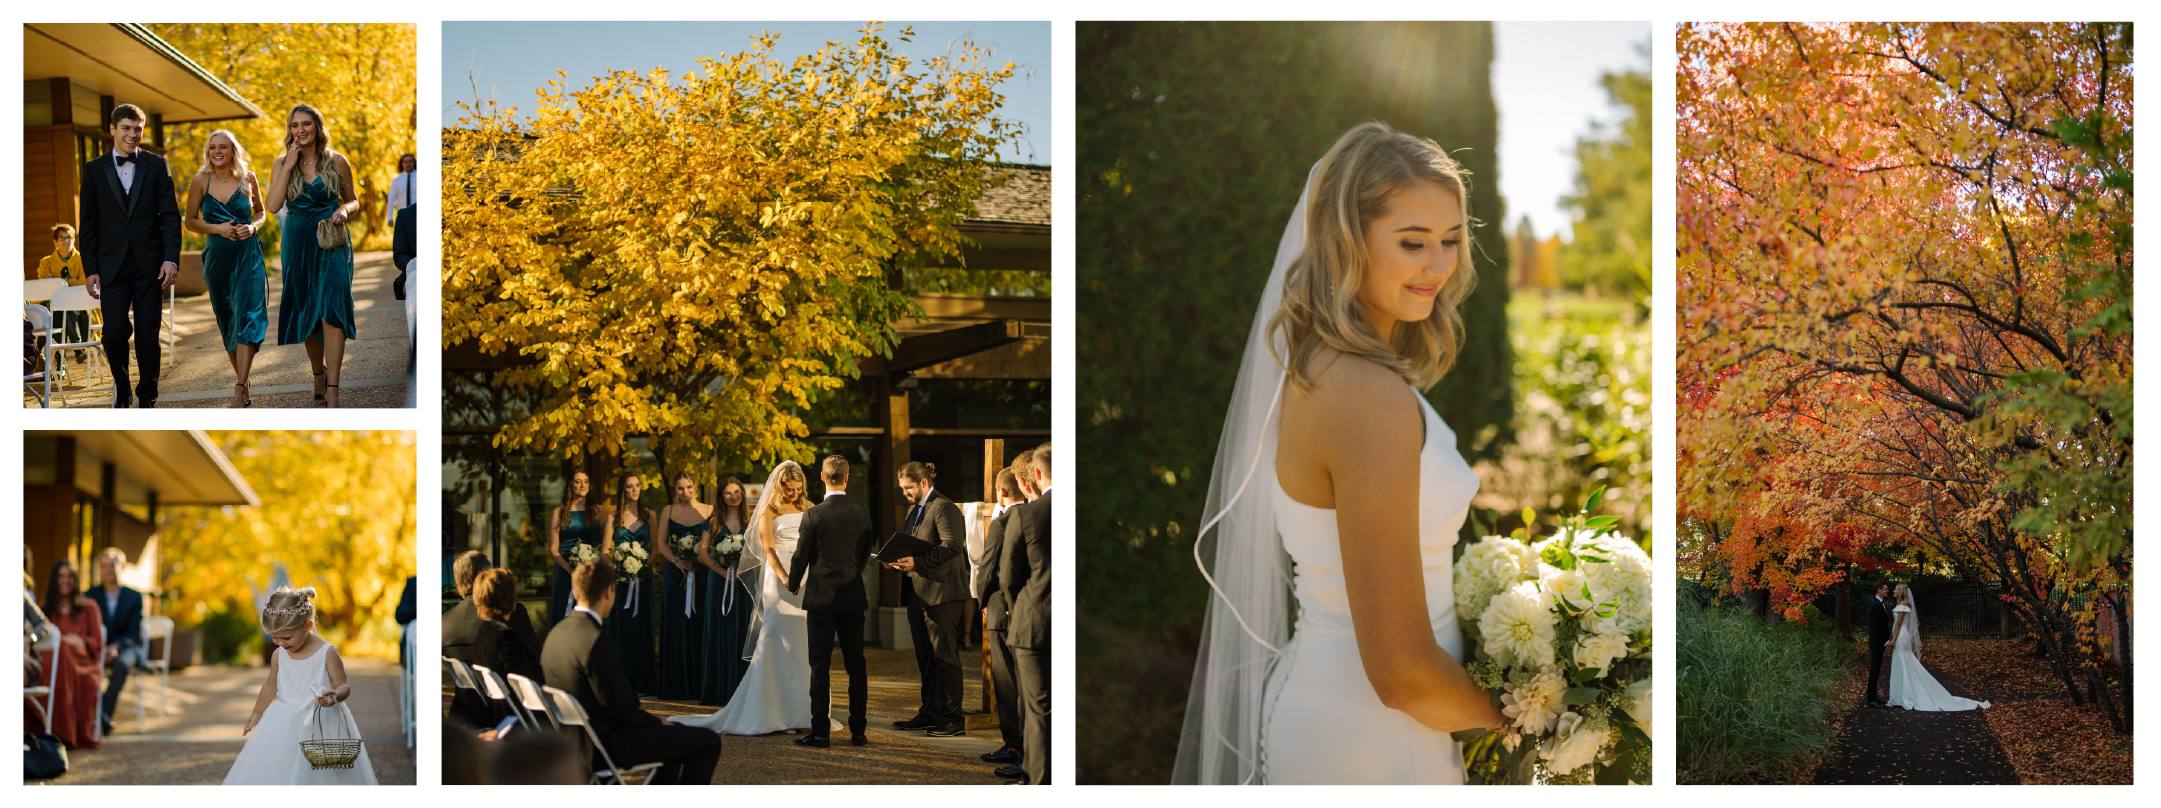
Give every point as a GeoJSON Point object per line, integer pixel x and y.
{"type": "Point", "coordinates": [1637, 701]}
{"type": "Point", "coordinates": [1574, 744]}
{"type": "Point", "coordinates": [1533, 707]}
{"type": "Point", "coordinates": [1517, 629]}
{"type": "Point", "coordinates": [1600, 650]}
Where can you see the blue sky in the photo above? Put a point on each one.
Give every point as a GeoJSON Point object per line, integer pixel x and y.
{"type": "Point", "coordinates": [509, 60]}
{"type": "Point", "coordinates": [1545, 82]}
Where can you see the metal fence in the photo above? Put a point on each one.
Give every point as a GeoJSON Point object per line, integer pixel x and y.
{"type": "Point", "coordinates": [1955, 611]}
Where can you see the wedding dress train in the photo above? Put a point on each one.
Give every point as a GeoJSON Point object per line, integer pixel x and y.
{"type": "Point", "coordinates": [1323, 722]}
{"type": "Point", "coordinates": [1912, 687]}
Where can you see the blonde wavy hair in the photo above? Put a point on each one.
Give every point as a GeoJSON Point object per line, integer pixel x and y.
{"type": "Point", "coordinates": [323, 168]}
{"type": "Point", "coordinates": [289, 609]}
{"type": "Point", "coordinates": [240, 156]}
{"type": "Point", "coordinates": [1354, 184]}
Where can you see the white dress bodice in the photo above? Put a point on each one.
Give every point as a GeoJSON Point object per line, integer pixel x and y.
{"type": "Point", "coordinates": [1323, 723]}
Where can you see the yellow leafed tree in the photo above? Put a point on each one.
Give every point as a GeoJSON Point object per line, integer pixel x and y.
{"type": "Point", "coordinates": [339, 510]}
{"type": "Point", "coordinates": [700, 255]}
{"type": "Point", "coordinates": [360, 75]}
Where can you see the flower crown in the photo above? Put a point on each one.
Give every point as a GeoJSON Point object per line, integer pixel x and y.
{"type": "Point", "coordinates": [301, 610]}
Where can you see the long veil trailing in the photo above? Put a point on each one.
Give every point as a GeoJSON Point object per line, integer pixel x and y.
{"type": "Point", "coordinates": [753, 557]}
{"type": "Point", "coordinates": [1249, 616]}
{"type": "Point", "coordinates": [1913, 622]}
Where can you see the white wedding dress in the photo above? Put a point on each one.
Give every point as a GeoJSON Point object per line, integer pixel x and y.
{"type": "Point", "coordinates": [271, 757]}
{"type": "Point", "coordinates": [775, 692]}
{"type": "Point", "coordinates": [1911, 685]}
{"type": "Point", "coordinates": [1323, 723]}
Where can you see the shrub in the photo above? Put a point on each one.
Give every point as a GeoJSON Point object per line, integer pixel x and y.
{"type": "Point", "coordinates": [1758, 704]}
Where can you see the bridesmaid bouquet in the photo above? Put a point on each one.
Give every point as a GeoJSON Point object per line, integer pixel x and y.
{"type": "Point", "coordinates": [631, 559]}
{"type": "Point", "coordinates": [1562, 628]}
{"type": "Point", "coordinates": [728, 549]}
{"type": "Point", "coordinates": [686, 547]}
{"type": "Point", "coordinates": [582, 552]}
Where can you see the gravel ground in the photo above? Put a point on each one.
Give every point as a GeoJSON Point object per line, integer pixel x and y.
{"type": "Point", "coordinates": [200, 374]}
{"type": "Point", "coordinates": [196, 742]}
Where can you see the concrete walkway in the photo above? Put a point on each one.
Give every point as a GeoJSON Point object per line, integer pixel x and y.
{"type": "Point", "coordinates": [200, 374]}
{"type": "Point", "coordinates": [197, 736]}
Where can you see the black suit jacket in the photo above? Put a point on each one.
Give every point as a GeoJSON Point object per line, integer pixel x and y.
{"type": "Point", "coordinates": [127, 233]}
{"type": "Point", "coordinates": [990, 590]}
{"type": "Point", "coordinates": [1025, 574]}
{"type": "Point", "coordinates": [403, 246]}
{"type": "Point", "coordinates": [124, 624]}
{"type": "Point", "coordinates": [941, 575]}
{"type": "Point", "coordinates": [829, 557]}
{"type": "Point", "coordinates": [503, 650]}
{"type": "Point", "coordinates": [462, 632]}
{"type": "Point", "coordinates": [582, 660]}
{"type": "Point", "coordinates": [1879, 622]}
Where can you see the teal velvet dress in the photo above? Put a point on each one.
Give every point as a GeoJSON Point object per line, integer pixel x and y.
{"type": "Point", "coordinates": [318, 282]}
{"type": "Point", "coordinates": [576, 530]}
{"type": "Point", "coordinates": [726, 610]}
{"type": "Point", "coordinates": [234, 271]}
{"type": "Point", "coordinates": [682, 637]}
{"type": "Point", "coordinates": [632, 620]}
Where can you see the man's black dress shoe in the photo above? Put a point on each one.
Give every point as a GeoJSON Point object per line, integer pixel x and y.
{"type": "Point", "coordinates": [859, 740]}
{"type": "Point", "coordinates": [946, 731]}
{"type": "Point", "coordinates": [819, 741]}
{"type": "Point", "coordinates": [1004, 754]}
{"type": "Point", "coordinates": [918, 722]}
{"type": "Point", "coordinates": [1877, 704]}
{"type": "Point", "coordinates": [1012, 772]}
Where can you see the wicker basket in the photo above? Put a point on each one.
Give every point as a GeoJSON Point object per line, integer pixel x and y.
{"type": "Point", "coordinates": [330, 753]}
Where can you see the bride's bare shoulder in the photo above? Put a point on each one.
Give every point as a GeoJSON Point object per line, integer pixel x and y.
{"type": "Point", "coordinates": [1346, 385]}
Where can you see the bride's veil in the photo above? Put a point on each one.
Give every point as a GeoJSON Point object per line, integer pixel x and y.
{"type": "Point", "coordinates": [1246, 567]}
{"type": "Point", "coordinates": [1913, 620]}
{"type": "Point", "coordinates": [753, 555]}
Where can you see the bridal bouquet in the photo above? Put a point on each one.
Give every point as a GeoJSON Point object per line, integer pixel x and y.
{"type": "Point", "coordinates": [1562, 628]}
{"type": "Point", "coordinates": [631, 559]}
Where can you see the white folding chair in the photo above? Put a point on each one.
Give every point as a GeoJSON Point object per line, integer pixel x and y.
{"type": "Point", "coordinates": [568, 712]}
{"type": "Point", "coordinates": [166, 335]}
{"type": "Point", "coordinates": [158, 629]}
{"type": "Point", "coordinates": [407, 685]}
{"type": "Point", "coordinates": [462, 678]}
{"type": "Point", "coordinates": [42, 289]}
{"type": "Point", "coordinates": [77, 299]}
{"type": "Point", "coordinates": [48, 644]}
{"type": "Point", "coordinates": [491, 685]}
{"type": "Point", "coordinates": [41, 326]}
{"type": "Point", "coordinates": [526, 696]}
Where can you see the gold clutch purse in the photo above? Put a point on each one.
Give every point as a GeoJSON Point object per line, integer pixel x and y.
{"type": "Point", "coordinates": [331, 236]}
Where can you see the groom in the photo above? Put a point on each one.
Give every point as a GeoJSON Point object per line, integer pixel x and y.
{"type": "Point", "coordinates": [828, 571]}
{"type": "Point", "coordinates": [131, 250]}
{"type": "Point", "coordinates": [1879, 640]}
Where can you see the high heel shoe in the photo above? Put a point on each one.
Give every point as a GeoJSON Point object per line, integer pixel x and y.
{"type": "Point", "coordinates": [328, 404]}
{"type": "Point", "coordinates": [246, 400]}
{"type": "Point", "coordinates": [319, 393]}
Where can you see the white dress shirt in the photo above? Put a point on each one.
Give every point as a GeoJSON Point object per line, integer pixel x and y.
{"type": "Point", "coordinates": [402, 193]}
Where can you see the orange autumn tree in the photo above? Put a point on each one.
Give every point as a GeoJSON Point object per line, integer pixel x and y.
{"type": "Point", "coordinates": [1905, 260]}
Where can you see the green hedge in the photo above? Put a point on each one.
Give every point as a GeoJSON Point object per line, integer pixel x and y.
{"type": "Point", "coordinates": [1194, 141]}
{"type": "Point", "coordinates": [1755, 704]}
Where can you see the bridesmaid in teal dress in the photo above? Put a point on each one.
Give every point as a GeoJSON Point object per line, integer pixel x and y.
{"type": "Point", "coordinates": [727, 601]}
{"type": "Point", "coordinates": [572, 525]}
{"type": "Point", "coordinates": [632, 620]}
{"type": "Point", "coordinates": [311, 184]}
{"type": "Point", "coordinates": [225, 205]}
{"type": "Point", "coordinates": [682, 617]}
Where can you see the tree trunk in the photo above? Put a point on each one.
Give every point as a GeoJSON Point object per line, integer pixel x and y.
{"type": "Point", "coordinates": [1845, 605]}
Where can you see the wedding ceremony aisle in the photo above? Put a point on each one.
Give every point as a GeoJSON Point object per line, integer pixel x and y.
{"type": "Point", "coordinates": [200, 374]}
{"type": "Point", "coordinates": [196, 742]}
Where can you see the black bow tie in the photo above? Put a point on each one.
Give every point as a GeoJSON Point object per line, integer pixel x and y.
{"type": "Point", "coordinates": [123, 159]}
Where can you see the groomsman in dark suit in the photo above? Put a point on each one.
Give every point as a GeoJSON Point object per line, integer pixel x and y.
{"type": "Point", "coordinates": [131, 250]}
{"type": "Point", "coordinates": [997, 602]}
{"type": "Point", "coordinates": [462, 635]}
{"type": "Point", "coordinates": [935, 590]}
{"type": "Point", "coordinates": [828, 571]}
{"type": "Point", "coordinates": [582, 660]}
{"type": "Point", "coordinates": [1025, 571]}
{"type": "Point", "coordinates": [122, 608]}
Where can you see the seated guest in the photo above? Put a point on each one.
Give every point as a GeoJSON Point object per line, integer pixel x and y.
{"type": "Point", "coordinates": [582, 660]}
{"type": "Point", "coordinates": [500, 647]}
{"type": "Point", "coordinates": [461, 636]}
{"type": "Point", "coordinates": [82, 645]}
{"type": "Point", "coordinates": [122, 608]}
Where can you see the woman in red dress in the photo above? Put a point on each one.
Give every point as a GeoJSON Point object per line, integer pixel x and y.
{"type": "Point", "coordinates": [82, 646]}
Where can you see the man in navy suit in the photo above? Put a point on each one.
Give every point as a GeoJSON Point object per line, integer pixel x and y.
{"type": "Point", "coordinates": [131, 250]}
{"type": "Point", "coordinates": [123, 611]}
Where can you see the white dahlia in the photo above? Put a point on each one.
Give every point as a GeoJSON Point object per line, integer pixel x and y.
{"type": "Point", "coordinates": [1517, 628]}
{"type": "Point", "coordinates": [1533, 707]}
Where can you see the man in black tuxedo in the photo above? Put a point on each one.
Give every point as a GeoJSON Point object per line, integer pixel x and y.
{"type": "Point", "coordinates": [1879, 640]}
{"type": "Point", "coordinates": [1026, 573]}
{"type": "Point", "coordinates": [582, 660]}
{"type": "Point", "coordinates": [462, 635]}
{"type": "Point", "coordinates": [990, 591]}
{"type": "Point", "coordinates": [935, 590]}
{"type": "Point", "coordinates": [828, 571]}
{"type": "Point", "coordinates": [122, 608]}
{"type": "Point", "coordinates": [131, 250]}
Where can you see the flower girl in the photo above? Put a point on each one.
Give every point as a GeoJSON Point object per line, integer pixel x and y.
{"type": "Point", "coordinates": [304, 699]}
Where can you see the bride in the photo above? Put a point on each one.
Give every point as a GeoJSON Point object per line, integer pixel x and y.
{"type": "Point", "coordinates": [775, 692]}
{"type": "Point", "coordinates": [1911, 685]}
{"type": "Point", "coordinates": [1334, 475]}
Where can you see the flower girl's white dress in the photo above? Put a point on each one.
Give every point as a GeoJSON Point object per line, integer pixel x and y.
{"type": "Point", "coordinates": [1323, 723]}
{"type": "Point", "coordinates": [272, 753]}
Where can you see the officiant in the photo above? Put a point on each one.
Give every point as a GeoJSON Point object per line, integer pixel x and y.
{"type": "Point", "coordinates": [935, 591]}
